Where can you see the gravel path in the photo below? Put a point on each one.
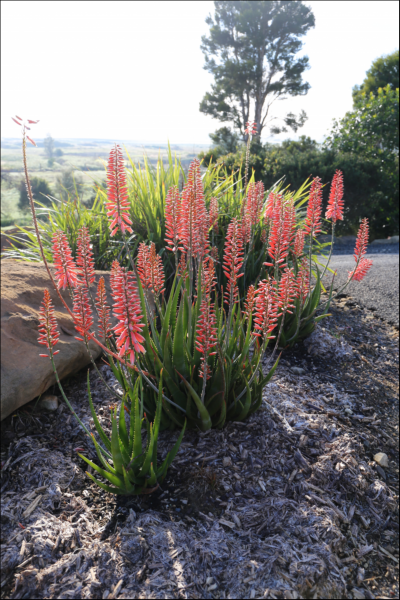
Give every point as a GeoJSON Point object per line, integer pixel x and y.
{"type": "Point", "coordinates": [379, 291]}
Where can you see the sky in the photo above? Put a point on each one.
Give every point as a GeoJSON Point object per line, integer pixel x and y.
{"type": "Point", "coordinates": [134, 70]}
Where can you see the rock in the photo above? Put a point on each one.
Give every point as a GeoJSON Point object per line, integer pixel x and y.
{"type": "Point", "coordinates": [382, 459]}
{"type": "Point", "coordinates": [226, 462]}
{"type": "Point", "coordinates": [49, 402]}
{"type": "Point", "coordinates": [14, 231]}
{"type": "Point", "coordinates": [297, 370]}
{"type": "Point", "coordinates": [24, 374]}
{"type": "Point", "coordinates": [392, 240]}
{"type": "Point", "coordinates": [348, 411]}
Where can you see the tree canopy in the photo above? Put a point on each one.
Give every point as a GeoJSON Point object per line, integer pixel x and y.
{"type": "Point", "coordinates": [251, 54]}
{"type": "Point", "coordinates": [384, 71]}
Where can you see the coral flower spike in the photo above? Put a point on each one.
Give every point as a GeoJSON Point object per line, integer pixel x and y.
{"type": "Point", "coordinates": [117, 194]}
{"type": "Point", "coordinates": [66, 272]}
{"type": "Point", "coordinates": [335, 204]}
{"type": "Point", "coordinates": [363, 264]}
{"type": "Point", "coordinates": [48, 334]}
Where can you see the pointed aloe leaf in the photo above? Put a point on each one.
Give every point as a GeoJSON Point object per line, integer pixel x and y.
{"type": "Point", "coordinates": [204, 416]}
{"type": "Point", "coordinates": [123, 433]}
{"type": "Point", "coordinates": [175, 417]}
{"type": "Point", "coordinates": [103, 461]}
{"type": "Point", "coordinates": [115, 447]}
{"type": "Point", "coordinates": [135, 437]}
{"type": "Point", "coordinates": [157, 420]}
{"type": "Point", "coordinates": [246, 405]}
{"type": "Point", "coordinates": [178, 352]}
{"type": "Point", "coordinates": [149, 453]}
{"type": "Point", "coordinates": [107, 488]}
{"type": "Point", "coordinates": [128, 485]}
{"type": "Point", "coordinates": [114, 479]}
{"type": "Point", "coordinates": [173, 299]}
{"type": "Point", "coordinates": [96, 421]}
{"type": "Point", "coordinates": [270, 373]}
{"type": "Point", "coordinates": [153, 477]}
{"type": "Point", "coordinates": [170, 456]}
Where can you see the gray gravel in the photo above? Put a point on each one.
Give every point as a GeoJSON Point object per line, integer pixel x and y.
{"type": "Point", "coordinates": [379, 290]}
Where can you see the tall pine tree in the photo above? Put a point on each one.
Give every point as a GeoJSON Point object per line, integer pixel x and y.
{"type": "Point", "coordinates": [251, 54]}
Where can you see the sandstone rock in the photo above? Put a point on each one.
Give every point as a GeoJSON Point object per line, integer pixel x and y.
{"type": "Point", "coordinates": [24, 374]}
{"type": "Point", "coordinates": [48, 402]}
{"type": "Point", "coordinates": [382, 459]}
{"type": "Point", "coordinates": [18, 241]}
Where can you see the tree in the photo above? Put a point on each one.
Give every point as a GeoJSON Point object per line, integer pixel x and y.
{"type": "Point", "coordinates": [251, 54]}
{"type": "Point", "coordinates": [384, 71]}
{"type": "Point", "coordinates": [48, 144]}
{"type": "Point", "coordinates": [225, 140]}
{"type": "Point", "coordinates": [39, 187]}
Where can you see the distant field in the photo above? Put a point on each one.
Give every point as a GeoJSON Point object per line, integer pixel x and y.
{"type": "Point", "coordinates": [87, 159]}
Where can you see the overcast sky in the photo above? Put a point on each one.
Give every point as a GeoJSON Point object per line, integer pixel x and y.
{"type": "Point", "coordinates": [134, 70]}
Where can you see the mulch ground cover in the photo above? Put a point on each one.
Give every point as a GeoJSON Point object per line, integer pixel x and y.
{"type": "Point", "coordinates": [288, 504]}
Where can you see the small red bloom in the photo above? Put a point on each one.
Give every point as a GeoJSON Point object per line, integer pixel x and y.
{"type": "Point", "coordinates": [251, 128]}
{"type": "Point", "coordinates": [172, 217]}
{"type": "Point", "coordinates": [194, 221]}
{"type": "Point", "coordinates": [103, 310]}
{"type": "Point", "coordinates": [117, 194]}
{"type": "Point", "coordinates": [150, 268]}
{"type": "Point", "coordinates": [363, 264]}
{"type": "Point", "coordinates": [303, 279]}
{"type": "Point", "coordinates": [287, 292]}
{"type": "Point", "coordinates": [314, 208]}
{"type": "Point", "coordinates": [299, 242]}
{"type": "Point", "coordinates": [206, 335]}
{"type": "Point", "coordinates": [233, 260]}
{"type": "Point", "coordinates": [48, 333]}
{"type": "Point", "coordinates": [282, 231]}
{"type": "Point", "coordinates": [66, 272]}
{"type": "Point", "coordinates": [128, 312]}
{"type": "Point", "coordinates": [335, 204]}
{"type": "Point", "coordinates": [265, 317]}
{"type": "Point", "coordinates": [83, 319]}
{"type": "Point", "coordinates": [84, 259]}
{"type": "Point", "coordinates": [250, 302]}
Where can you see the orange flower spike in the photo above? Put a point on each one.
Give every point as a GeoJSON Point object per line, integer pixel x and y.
{"type": "Point", "coordinates": [103, 310]}
{"type": "Point", "coordinates": [117, 194]}
{"type": "Point", "coordinates": [265, 314]}
{"type": "Point", "coordinates": [48, 333]}
{"type": "Point", "coordinates": [65, 268]}
{"type": "Point", "coordinates": [363, 264]}
{"type": "Point", "coordinates": [281, 236]}
{"type": "Point", "coordinates": [250, 302]}
{"type": "Point", "coordinates": [172, 218]}
{"type": "Point", "coordinates": [335, 204]}
{"type": "Point", "coordinates": [84, 259]}
{"type": "Point", "coordinates": [128, 312]}
{"type": "Point", "coordinates": [83, 319]}
{"type": "Point", "coordinates": [314, 208]}
{"type": "Point", "coordinates": [233, 260]}
{"type": "Point", "coordinates": [206, 336]}
{"type": "Point", "coordinates": [299, 242]}
{"type": "Point", "coordinates": [194, 221]}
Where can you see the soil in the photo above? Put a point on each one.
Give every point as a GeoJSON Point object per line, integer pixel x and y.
{"type": "Point", "coordinates": [288, 504]}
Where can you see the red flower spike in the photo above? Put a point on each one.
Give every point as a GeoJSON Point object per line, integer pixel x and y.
{"type": "Point", "coordinates": [48, 333]}
{"type": "Point", "coordinates": [84, 259]}
{"type": "Point", "coordinates": [299, 242]}
{"type": "Point", "coordinates": [65, 268]}
{"type": "Point", "coordinates": [128, 312]}
{"type": "Point", "coordinates": [214, 214]}
{"type": "Point", "coordinates": [265, 316]}
{"type": "Point", "coordinates": [233, 259]}
{"type": "Point", "coordinates": [272, 199]}
{"type": "Point", "coordinates": [287, 292]}
{"type": "Point", "coordinates": [364, 264]}
{"type": "Point", "coordinates": [250, 302]}
{"type": "Point", "coordinates": [206, 335]}
{"type": "Point", "coordinates": [335, 204]}
{"type": "Point", "coordinates": [283, 226]}
{"type": "Point", "coordinates": [117, 194]}
{"type": "Point", "coordinates": [83, 319]}
{"type": "Point", "coordinates": [303, 279]}
{"type": "Point", "coordinates": [194, 221]}
{"type": "Point", "coordinates": [150, 269]}
{"type": "Point", "coordinates": [182, 267]}
{"type": "Point", "coordinates": [314, 208]}
{"type": "Point", "coordinates": [103, 310]}
{"type": "Point", "coordinates": [251, 128]}
{"type": "Point", "coordinates": [209, 280]}
{"type": "Point", "coordinates": [172, 217]}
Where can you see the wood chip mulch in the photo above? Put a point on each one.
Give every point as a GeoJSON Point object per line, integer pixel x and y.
{"type": "Point", "coordinates": [288, 504]}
